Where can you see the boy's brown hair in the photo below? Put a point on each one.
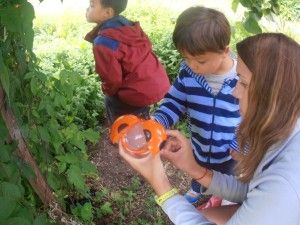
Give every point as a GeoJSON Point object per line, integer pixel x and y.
{"type": "Point", "coordinates": [117, 5]}
{"type": "Point", "coordinates": [199, 30]}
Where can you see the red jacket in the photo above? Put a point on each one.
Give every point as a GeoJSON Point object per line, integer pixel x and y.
{"type": "Point", "coordinates": [126, 63]}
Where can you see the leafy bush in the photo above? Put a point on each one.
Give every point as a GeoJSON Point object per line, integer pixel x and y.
{"type": "Point", "coordinates": [169, 56]}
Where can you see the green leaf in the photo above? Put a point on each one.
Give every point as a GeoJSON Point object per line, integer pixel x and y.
{"type": "Point", "coordinates": [23, 212]}
{"type": "Point", "coordinates": [7, 206]}
{"type": "Point", "coordinates": [10, 18]}
{"type": "Point", "coordinates": [234, 5]}
{"type": "Point", "coordinates": [17, 221]}
{"type": "Point", "coordinates": [246, 3]}
{"type": "Point", "coordinates": [91, 135]}
{"type": "Point", "coordinates": [86, 212]}
{"type": "Point", "coordinates": [41, 220]}
{"type": "Point", "coordinates": [53, 181]}
{"type": "Point", "coordinates": [75, 177]}
{"type": "Point", "coordinates": [4, 76]}
{"type": "Point", "coordinates": [106, 209]}
{"type": "Point", "coordinates": [61, 167]}
{"type": "Point", "coordinates": [68, 158]}
{"type": "Point", "coordinates": [59, 100]}
{"type": "Point", "coordinates": [27, 16]}
{"type": "Point", "coordinates": [4, 153]}
{"type": "Point", "coordinates": [3, 130]}
{"type": "Point", "coordinates": [44, 133]}
{"type": "Point", "coordinates": [10, 171]}
{"type": "Point", "coordinates": [10, 191]}
{"type": "Point", "coordinates": [251, 24]}
{"type": "Point", "coordinates": [27, 171]}
{"type": "Point", "coordinates": [34, 86]}
{"type": "Point", "coordinates": [88, 167]}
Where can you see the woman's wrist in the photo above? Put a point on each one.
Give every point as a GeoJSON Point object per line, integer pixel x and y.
{"type": "Point", "coordinates": [202, 175]}
{"type": "Point", "coordinates": [161, 185]}
{"type": "Point", "coordinates": [160, 200]}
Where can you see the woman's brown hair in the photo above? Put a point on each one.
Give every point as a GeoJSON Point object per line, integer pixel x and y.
{"type": "Point", "coordinates": [273, 96]}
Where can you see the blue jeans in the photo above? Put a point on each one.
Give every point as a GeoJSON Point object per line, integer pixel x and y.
{"type": "Point", "coordinates": [115, 108]}
{"type": "Point", "coordinates": [226, 168]}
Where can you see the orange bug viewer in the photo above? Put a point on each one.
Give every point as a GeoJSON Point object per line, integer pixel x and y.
{"type": "Point", "coordinates": [139, 137]}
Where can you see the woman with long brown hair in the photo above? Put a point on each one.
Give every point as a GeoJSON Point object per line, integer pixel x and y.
{"type": "Point", "coordinates": [266, 187]}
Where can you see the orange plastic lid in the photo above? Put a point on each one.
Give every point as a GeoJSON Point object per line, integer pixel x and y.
{"type": "Point", "coordinates": [139, 137]}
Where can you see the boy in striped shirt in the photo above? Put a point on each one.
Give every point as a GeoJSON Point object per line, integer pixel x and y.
{"type": "Point", "coordinates": [203, 91]}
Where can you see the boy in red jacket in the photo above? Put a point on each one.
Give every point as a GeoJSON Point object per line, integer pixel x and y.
{"type": "Point", "coordinates": [132, 76]}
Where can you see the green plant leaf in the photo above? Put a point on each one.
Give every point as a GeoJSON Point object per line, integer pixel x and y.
{"type": "Point", "coordinates": [53, 181]}
{"type": "Point", "coordinates": [251, 24]}
{"type": "Point", "coordinates": [246, 3]}
{"type": "Point", "coordinates": [27, 15]}
{"type": "Point", "coordinates": [4, 153]}
{"type": "Point", "coordinates": [75, 177]}
{"type": "Point", "coordinates": [44, 133]}
{"type": "Point", "coordinates": [4, 76]}
{"type": "Point", "coordinates": [106, 209]}
{"type": "Point", "coordinates": [17, 221]}
{"type": "Point", "coordinates": [34, 86]}
{"type": "Point", "coordinates": [10, 191]}
{"type": "Point", "coordinates": [234, 5]}
{"type": "Point", "coordinates": [27, 171]}
{"type": "Point", "coordinates": [10, 18]}
{"type": "Point", "coordinates": [7, 206]}
{"type": "Point", "coordinates": [86, 212]}
{"type": "Point", "coordinates": [41, 220]}
{"type": "Point", "coordinates": [91, 135]}
{"type": "Point", "coordinates": [10, 170]}
{"type": "Point", "coordinates": [69, 158]}
{"type": "Point", "coordinates": [88, 167]}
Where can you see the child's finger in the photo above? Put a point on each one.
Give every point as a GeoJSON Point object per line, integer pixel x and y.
{"type": "Point", "coordinates": [176, 134]}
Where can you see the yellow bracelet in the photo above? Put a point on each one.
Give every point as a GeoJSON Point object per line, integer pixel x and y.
{"type": "Point", "coordinates": [164, 197]}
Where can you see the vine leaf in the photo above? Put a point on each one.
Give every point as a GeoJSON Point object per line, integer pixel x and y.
{"type": "Point", "coordinates": [251, 24]}
{"type": "Point", "coordinates": [17, 221]}
{"type": "Point", "coordinates": [7, 206]}
{"type": "Point", "coordinates": [234, 5]}
{"type": "Point", "coordinates": [4, 75]}
{"type": "Point", "coordinates": [11, 191]}
{"type": "Point", "coordinates": [75, 177]}
{"type": "Point", "coordinates": [11, 20]}
{"type": "Point", "coordinates": [86, 211]}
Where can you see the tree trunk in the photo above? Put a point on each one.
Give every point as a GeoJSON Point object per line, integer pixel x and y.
{"type": "Point", "coordinates": [38, 183]}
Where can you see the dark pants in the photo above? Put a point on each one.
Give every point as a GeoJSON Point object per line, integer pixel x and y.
{"type": "Point", "coordinates": [226, 168]}
{"type": "Point", "coordinates": [115, 108]}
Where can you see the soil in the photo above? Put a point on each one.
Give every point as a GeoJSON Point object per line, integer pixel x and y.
{"type": "Point", "coordinates": [115, 174]}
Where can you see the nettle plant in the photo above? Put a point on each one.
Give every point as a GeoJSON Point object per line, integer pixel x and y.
{"type": "Point", "coordinates": [58, 109]}
{"type": "Point", "coordinates": [58, 114]}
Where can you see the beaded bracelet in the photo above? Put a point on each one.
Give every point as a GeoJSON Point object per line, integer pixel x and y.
{"type": "Point", "coordinates": [204, 174]}
{"type": "Point", "coordinates": [164, 197]}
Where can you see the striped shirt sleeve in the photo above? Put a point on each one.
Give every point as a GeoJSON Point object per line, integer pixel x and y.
{"type": "Point", "coordinates": [234, 144]}
{"type": "Point", "coordinates": [173, 105]}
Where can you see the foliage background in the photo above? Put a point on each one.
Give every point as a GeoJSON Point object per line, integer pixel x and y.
{"type": "Point", "coordinates": [51, 86]}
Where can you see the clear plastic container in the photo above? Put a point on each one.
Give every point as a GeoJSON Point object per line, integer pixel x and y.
{"type": "Point", "coordinates": [135, 140]}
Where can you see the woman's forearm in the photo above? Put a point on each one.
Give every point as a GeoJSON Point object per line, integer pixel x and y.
{"type": "Point", "coordinates": [161, 185]}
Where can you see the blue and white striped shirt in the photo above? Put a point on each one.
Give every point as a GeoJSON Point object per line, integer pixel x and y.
{"type": "Point", "coordinates": [212, 118]}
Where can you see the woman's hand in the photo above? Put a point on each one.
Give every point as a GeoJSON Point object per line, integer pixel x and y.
{"type": "Point", "coordinates": [151, 168]}
{"type": "Point", "coordinates": [178, 151]}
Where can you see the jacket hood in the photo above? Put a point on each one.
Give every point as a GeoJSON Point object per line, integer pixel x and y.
{"type": "Point", "coordinates": [122, 30]}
